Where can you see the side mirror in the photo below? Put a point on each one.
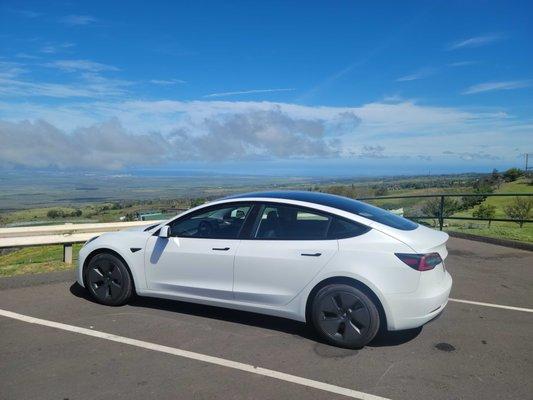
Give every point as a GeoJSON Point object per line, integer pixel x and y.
{"type": "Point", "coordinates": [164, 232]}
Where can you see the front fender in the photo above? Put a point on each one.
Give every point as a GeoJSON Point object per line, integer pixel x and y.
{"type": "Point", "coordinates": [122, 244]}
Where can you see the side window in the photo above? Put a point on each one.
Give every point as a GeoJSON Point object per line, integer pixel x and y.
{"type": "Point", "coordinates": [222, 222]}
{"type": "Point", "coordinates": [291, 223]}
{"type": "Point", "coordinates": [341, 228]}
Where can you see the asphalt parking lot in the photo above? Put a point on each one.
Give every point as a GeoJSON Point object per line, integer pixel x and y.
{"type": "Point", "coordinates": [471, 352]}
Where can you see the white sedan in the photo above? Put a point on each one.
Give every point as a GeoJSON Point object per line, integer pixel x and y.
{"type": "Point", "coordinates": [344, 266]}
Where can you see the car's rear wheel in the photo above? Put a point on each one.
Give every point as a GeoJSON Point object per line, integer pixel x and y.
{"type": "Point", "coordinates": [108, 280]}
{"type": "Point", "coordinates": [345, 316]}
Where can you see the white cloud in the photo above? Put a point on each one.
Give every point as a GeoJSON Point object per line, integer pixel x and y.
{"type": "Point", "coordinates": [252, 91]}
{"type": "Point", "coordinates": [27, 13]}
{"type": "Point", "coordinates": [94, 105]}
{"type": "Point", "coordinates": [90, 85]}
{"type": "Point", "coordinates": [74, 20]}
{"type": "Point", "coordinates": [476, 41]}
{"type": "Point", "coordinates": [40, 144]}
{"type": "Point", "coordinates": [469, 156]}
{"type": "Point", "coordinates": [166, 82]}
{"type": "Point", "coordinates": [259, 134]}
{"type": "Point", "coordinates": [372, 152]}
{"type": "Point", "coordinates": [174, 131]}
{"type": "Point", "coordinates": [420, 74]}
{"type": "Point", "coordinates": [462, 63]}
{"type": "Point", "coordinates": [491, 86]}
{"type": "Point", "coordinates": [9, 70]}
{"type": "Point", "coordinates": [53, 48]}
{"type": "Point", "coordinates": [80, 65]}
{"type": "Point", "coordinates": [27, 56]}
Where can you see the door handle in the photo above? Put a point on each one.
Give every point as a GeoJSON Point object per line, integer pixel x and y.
{"type": "Point", "coordinates": [221, 248]}
{"type": "Point", "coordinates": [311, 254]}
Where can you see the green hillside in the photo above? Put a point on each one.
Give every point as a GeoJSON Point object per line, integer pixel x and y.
{"type": "Point", "coordinates": [505, 230]}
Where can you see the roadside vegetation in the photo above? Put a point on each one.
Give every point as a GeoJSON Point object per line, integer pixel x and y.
{"type": "Point", "coordinates": [32, 260]}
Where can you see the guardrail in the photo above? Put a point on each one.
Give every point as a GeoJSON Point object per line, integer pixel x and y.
{"type": "Point", "coordinates": [440, 213]}
{"type": "Point", "coordinates": [66, 234]}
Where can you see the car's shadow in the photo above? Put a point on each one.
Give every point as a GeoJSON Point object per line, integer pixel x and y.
{"type": "Point", "coordinates": [248, 318]}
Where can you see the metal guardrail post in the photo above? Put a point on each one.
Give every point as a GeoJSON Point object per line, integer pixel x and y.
{"type": "Point", "coordinates": [67, 253]}
{"type": "Point", "coordinates": [441, 213]}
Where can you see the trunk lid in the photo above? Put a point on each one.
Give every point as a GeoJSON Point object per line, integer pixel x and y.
{"type": "Point", "coordinates": [422, 239]}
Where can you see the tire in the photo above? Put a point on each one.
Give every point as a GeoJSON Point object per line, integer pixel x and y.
{"type": "Point", "coordinates": [345, 316]}
{"type": "Point", "coordinates": [108, 280]}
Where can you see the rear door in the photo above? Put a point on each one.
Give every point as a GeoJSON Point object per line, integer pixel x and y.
{"type": "Point", "coordinates": [287, 248]}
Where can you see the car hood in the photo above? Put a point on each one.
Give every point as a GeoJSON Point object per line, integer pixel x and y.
{"type": "Point", "coordinates": [139, 228]}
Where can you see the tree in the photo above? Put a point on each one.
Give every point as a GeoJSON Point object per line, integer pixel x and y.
{"type": "Point", "coordinates": [480, 186]}
{"type": "Point", "coordinates": [485, 211]}
{"type": "Point", "coordinates": [520, 209]}
{"type": "Point", "coordinates": [512, 174]}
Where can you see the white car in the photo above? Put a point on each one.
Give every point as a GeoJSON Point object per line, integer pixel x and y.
{"type": "Point", "coordinates": [344, 266]}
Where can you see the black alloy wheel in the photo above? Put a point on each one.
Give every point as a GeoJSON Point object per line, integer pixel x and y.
{"type": "Point", "coordinates": [108, 280]}
{"type": "Point", "coordinates": [345, 316]}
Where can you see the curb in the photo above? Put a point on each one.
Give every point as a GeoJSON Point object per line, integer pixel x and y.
{"type": "Point", "coordinates": [499, 242]}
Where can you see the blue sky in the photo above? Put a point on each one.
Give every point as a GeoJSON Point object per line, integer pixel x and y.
{"type": "Point", "coordinates": [279, 86]}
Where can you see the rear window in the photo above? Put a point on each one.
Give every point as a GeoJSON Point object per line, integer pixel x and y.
{"type": "Point", "coordinates": [341, 228]}
{"type": "Point", "coordinates": [382, 216]}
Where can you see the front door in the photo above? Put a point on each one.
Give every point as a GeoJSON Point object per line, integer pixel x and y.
{"type": "Point", "coordinates": [198, 259]}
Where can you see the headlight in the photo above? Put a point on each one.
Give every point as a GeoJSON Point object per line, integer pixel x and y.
{"type": "Point", "coordinates": [90, 240]}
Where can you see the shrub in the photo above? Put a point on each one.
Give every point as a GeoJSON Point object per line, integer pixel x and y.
{"type": "Point", "coordinates": [55, 214]}
{"type": "Point", "coordinates": [382, 191]}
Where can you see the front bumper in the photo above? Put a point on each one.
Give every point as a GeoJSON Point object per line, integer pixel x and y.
{"type": "Point", "coordinates": [79, 266]}
{"type": "Point", "coordinates": [407, 311]}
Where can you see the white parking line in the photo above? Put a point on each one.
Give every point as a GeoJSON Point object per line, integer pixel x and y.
{"type": "Point", "coordinates": [477, 303]}
{"type": "Point", "coordinates": [196, 356]}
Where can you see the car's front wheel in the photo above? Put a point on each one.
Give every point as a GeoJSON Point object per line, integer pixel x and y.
{"type": "Point", "coordinates": [108, 280]}
{"type": "Point", "coordinates": [345, 316]}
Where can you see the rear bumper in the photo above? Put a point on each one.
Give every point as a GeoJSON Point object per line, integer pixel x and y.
{"type": "Point", "coordinates": [407, 311]}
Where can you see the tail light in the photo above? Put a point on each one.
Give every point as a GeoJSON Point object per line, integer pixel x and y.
{"type": "Point", "coordinates": [420, 262]}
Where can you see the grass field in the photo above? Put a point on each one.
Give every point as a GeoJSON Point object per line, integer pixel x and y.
{"type": "Point", "coordinates": [32, 260]}
{"type": "Point", "coordinates": [504, 230]}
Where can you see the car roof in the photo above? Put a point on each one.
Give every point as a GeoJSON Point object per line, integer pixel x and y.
{"type": "Point", "coordinates": [324, 199]}
{"type": "Point", "coordinates": [337, 202]}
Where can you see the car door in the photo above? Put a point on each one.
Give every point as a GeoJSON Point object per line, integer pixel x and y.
{"type": "Point", "coordinates": [198, 258]}
{"type": "Point", "coordinates": [288, 247]}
